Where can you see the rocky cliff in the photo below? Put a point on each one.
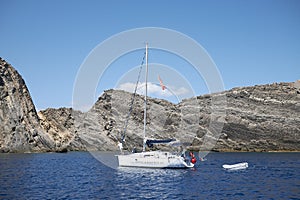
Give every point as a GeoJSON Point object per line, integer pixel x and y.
{"type": "Point", "coordinates": [257, 118]}
{"type": "Point", "coordinates": [58, 124]}
{"type": "Point", "coordinates": [261, 118]}
{"type": "Point", "coordinates": [19, 124]}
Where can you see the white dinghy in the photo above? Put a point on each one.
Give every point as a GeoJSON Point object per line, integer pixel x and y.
{"type": "Point", "coordinates": [237, 166]}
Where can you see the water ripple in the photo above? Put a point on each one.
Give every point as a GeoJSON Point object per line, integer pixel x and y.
{"type": "Point", "coordinates": [78, 175]}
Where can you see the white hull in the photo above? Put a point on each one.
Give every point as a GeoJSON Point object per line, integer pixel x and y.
{"type": "Point", "coordinates": [236, 166]}
{"type": "Point", "coordinates": [153, 159]}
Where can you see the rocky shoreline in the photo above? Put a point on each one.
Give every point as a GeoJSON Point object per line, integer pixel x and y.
{"type": "Point", "coordinates": [261, 118]}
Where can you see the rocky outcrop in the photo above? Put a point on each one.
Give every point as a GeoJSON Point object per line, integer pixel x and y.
{"type": "Point", "coordinates": [102, 126]}
{"type": "Point", "coordinates": [107, 119]}
{"type": "Point", "coordinates": [257, 118]}
{"type": "Point", "coordinates": [58, 124]}
{"type": "Point", "coordinates": [262, 118]}
{"type": "Point", "coordinates": [19, 124]}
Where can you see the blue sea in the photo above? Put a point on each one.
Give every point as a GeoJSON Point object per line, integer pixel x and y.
{"type": "Point", "coordinates": [78, 175]}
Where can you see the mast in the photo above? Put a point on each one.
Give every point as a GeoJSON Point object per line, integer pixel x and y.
{"type": "Point", "coordinates": [145, 106]}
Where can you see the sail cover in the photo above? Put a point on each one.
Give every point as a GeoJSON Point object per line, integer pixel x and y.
{"type": "Point", "coordinates": [150, 142]}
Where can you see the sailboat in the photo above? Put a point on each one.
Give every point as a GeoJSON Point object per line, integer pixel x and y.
{"type": "Point", "coordinates": [154, 159]}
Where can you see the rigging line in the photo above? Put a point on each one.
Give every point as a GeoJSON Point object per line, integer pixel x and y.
{"type": "Point", "coordinates": [132, 100]}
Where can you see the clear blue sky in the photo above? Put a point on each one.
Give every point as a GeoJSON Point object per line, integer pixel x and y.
{"type": "Point", "coordinates": [251, 42]}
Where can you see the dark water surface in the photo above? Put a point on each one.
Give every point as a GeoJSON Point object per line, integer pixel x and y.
{"type": "Point", "coordinates": [78, 175]}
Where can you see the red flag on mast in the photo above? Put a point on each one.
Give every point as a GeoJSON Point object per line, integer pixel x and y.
{"type": "Point", "coordinates": [163, 87]}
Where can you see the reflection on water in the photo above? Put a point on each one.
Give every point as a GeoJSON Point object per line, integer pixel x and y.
{"type": "Point", "coordinates": [151, 183]}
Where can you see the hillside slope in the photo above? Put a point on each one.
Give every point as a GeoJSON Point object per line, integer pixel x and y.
{"type": "Point", "coordinates": [256, 118]}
